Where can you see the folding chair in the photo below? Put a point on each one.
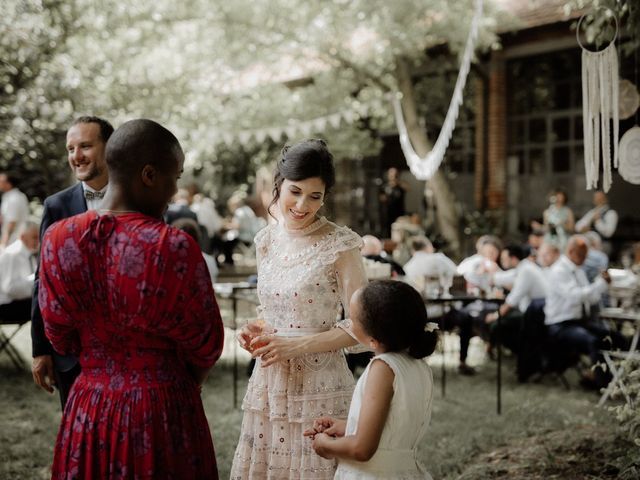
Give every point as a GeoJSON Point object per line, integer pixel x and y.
{"type": "Point", "coordinates": [7, 346]}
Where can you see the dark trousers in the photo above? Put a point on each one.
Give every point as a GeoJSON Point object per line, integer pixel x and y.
{"type": "Point", "coordinates": [18, 311]}
{"type": "Point", "coordinates": [585, 337]}
{"type": "Point", "coordinates": [64, 382]}
{"type": "Point", "coordinates": [509, 332]}
{"type": "Point", "coordinates": [463, 321]}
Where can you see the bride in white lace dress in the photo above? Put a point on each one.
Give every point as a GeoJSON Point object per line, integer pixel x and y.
{"type": "Point", "coordinates": [308, 268]}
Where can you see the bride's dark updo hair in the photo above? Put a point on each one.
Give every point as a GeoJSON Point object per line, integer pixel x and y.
{"type": "Point", "coordinates": [306, 159]}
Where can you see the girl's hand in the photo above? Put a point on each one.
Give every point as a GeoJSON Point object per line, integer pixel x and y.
{"type": "Point", "coordinates": [320, 443]}
{"type": "Point", "coordinates": [333, 427]}
{"type": "Point", "coordinates": [272, 349]}
{"type": "Point", "coordinates": [248, 332]}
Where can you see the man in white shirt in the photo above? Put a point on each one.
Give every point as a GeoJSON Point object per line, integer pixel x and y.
{"type": "Point", "coordinates": [529, 285]}
{"type": "Point", "coordinates": [479, 268]}
{"type": "Point", "coordinates": [568, 306]}
{"type": "Point", "coordinates": [426, 262]}
{"type": "Point", "coordinates": [547, 255]}
{"type": "Point", "coordinates": [17, 269]}
{"type": "Point", "coordinates": [602, 219]}
{"type": "Point", "coordinates": [14, 209]}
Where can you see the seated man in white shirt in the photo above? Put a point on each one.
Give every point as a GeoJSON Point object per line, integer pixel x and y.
{"type": "Point", "coordinates": [547, 255]}
{"type": "Point", "coordinates": [14, 209]}
{"type": "Point", "coordinates": [479, 268]}
{"type": "Point", "coordinates": [529, 285]}
{"type": "Point", "coordinates": [17, 266]}
{"type": "Point", "coordinates": [425, 263]}
{"type": "Point", "coordinates": [568, 305]}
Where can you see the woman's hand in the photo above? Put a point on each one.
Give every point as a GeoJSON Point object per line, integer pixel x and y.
{"type": "Point", "coordinates": [320, 443]}
{"type": "Point", "coordinates": [333, 427]}
{"type": "Point", "coordinates": [248, 332]}
{"type": "Point", "coordinates": [272, 349]}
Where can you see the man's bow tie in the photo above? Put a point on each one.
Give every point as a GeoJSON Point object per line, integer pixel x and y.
{"type": "Point", "coordinates": [89, 195]}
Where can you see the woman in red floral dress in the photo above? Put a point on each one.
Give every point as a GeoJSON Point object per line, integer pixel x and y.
{"type": "Point", "coordinates": [132, 296]}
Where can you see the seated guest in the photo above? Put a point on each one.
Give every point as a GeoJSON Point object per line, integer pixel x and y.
{"type": "Point", "coordinates": [597, 261]}
{"type": "Point", "coordinates": [482, 273]}
{"type": "Point", "coordinates": [568, 305]}
{"type": "Point", "coordinates": [535, 238]}
{"type": "Point", "coordinates": [191, 227]}
{"type": "Point", "coordinates": [425, 262]}
{"type": "Point", "coordinates": [372, 249]}
{"type": "Point", "coordinates": [529, 285]}
{"type": "Point", "coordinates": [548, 254]}
{"type": "Point", "coordinates": [17, 266]}
{"type": "Point", "coordinates": [179, 207]}
{"type": "Point", "coordinates": [479, 268]}
{"type": "Point", "coordinates": [241, 228]}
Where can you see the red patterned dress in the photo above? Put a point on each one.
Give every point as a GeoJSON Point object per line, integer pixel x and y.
{"type": "Point", "coordinates": [133, 298]}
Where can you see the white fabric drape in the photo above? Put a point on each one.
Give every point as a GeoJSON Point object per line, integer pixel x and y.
{"type": "Point", "coordinates": [424, 168]}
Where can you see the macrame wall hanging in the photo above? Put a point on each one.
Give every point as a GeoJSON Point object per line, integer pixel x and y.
{"type": "Point", "coordinates": [600, 85]}
{"type": "Point", "coordinates": [629, 168]}
{"type": "Point", "coordinates": [423, 168]}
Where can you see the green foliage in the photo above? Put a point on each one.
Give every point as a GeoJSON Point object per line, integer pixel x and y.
{"type": "Point", "coordinates": [599, 27]}
{"type": "Point", "coordinates": [35, 103]}
{"type": "Point", "coordinates": [628, 413]}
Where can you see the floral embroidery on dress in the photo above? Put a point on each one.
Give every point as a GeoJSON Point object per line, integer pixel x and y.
{"type": "Point", "coordinates": [299, 291]}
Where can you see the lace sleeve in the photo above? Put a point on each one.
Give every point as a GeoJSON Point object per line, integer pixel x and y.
{"type": "Point", "coordinates": [342, 240]}
{"type": "Point", "coordinates": [351, 276]}
{"type": "Point", "coordinates": [261, 240]}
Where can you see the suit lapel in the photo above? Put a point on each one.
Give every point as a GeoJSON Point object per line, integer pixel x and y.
{"type": "Point", "coordinates": [78, 203]}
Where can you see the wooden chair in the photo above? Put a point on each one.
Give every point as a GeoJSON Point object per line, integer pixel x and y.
{"type": "Point", "coordinates": [5, 341]}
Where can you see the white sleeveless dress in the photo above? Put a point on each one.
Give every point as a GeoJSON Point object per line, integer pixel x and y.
{"type": "Point", "coordinates": [405, 427]}
{"type": "Point", "coordinates": [304, 279]}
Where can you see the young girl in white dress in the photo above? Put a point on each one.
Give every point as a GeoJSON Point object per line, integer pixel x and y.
{"type": "Point", "coordinates": [391, 405]}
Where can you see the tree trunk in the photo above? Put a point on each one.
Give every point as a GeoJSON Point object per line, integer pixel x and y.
{"type": "Point", "coordinates": [447, 218]}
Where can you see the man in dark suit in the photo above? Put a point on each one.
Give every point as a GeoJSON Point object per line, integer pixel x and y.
{"type": "Point", "coordinates": [86, 141]}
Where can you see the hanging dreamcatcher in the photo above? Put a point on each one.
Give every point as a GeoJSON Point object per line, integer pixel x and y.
{"type": "Point", "coordinates": [600, 91]}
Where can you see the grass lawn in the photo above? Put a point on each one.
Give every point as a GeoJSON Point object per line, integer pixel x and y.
{"type": "Point", "coordinates": [545, 431]}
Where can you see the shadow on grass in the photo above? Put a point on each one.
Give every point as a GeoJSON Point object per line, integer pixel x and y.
{"type": "Point", "coordinates": [465, 429]}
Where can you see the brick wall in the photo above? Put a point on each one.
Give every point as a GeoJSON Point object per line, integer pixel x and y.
{"type": "Point", "coordinates": [497, 133]}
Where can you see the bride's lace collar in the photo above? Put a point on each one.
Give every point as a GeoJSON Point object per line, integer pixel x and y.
{"type": "Point", "coordinates": [301, 232]}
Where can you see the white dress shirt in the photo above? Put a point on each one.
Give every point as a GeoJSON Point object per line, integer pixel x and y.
{"type": "Point", "coordinates": [17, 267]}
{"type": "Point", "coordinates": [469, 268]}
{"type": "Point", "coordinates": [429, 264]}
{"type": "Point", "coordinates": [15, 208]}
{"type": "Point", "coordinates": [425, 264]}
{"type": "Point", "coordinates": [529, 284]}
{"type": "Point", "coordinates": [95, 203]}
{"type": "Point", "coordinates": [569, 292]}
{"type": "Point", "coordinates": [605, 225]}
